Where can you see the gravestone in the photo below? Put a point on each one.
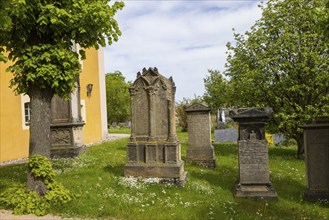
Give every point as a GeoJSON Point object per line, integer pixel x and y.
{"type": "Point", "coordinates": [316, 143]}
{"type": "Point", "coordinates": [66, 126]}
{"type": "Point", "coordinates": [153, 149]}
{"type": "Point", "coordinates": [254, 178]}
{"type": "Point", "coordinates": [226, 135]}
{"type": "Point", "coordinates": [199, 149]}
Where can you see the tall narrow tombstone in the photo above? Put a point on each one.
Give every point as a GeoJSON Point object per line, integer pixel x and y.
{"type": "Point", "coordinates": [199, 149]}
{"type": "Point", "coordinates": [153, 149]}
{"type": "Point", "coordinates": [66, 126]}
{"type": "Point", "coordinates": [254, 178]}
{"type": "Point", "coordinates": [316, 142]}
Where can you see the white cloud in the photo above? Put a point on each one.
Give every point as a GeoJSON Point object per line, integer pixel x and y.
{"type": "Point", "coordinates": [181, 38]}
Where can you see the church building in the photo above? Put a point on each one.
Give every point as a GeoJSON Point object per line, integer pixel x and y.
{"type": "Point", "coordinates": [76, 122]}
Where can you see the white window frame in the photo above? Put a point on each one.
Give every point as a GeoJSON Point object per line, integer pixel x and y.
{"type": "Point", "coordinates": [25, 124]}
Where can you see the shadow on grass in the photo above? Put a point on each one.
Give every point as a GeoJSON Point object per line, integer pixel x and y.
{"type": "Point", "coordinates": [116, 170]}
{"type": "Point", "coordinates": [226, 149]}
{"type": "Point", "coordinates": [223, 176]}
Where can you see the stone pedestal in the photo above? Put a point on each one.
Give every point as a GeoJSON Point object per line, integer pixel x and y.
{"type": "Point", "coordinates": [316, 143]}
{"type": "Point", "coordinates": [66, 126]}
{"type": "Point", "coordinates": [66, 140]}
{"type": "Point", "coordinates": [254, 178]}
{"type": "Point", "coordinates": [200, 150]}
{"type": "Point", "coordinates": [153, 149]}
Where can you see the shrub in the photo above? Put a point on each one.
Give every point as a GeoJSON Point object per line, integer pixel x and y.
{"type": "Point", "coordinates": [25, 201]}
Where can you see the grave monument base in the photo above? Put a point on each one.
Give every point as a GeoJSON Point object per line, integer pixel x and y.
{"type": "Point", "coordinates": [66, 152]}
{"type": "Point", "coordinates": [66, 140]}
{"type": "Point", "coordinates": [206, 163]}
{"type": "Point", "coordinates": [202, 156]}
{"type": "Point", "coordinates": [257, 191]}
{"type": "Point", "coordinates": [168, 173]}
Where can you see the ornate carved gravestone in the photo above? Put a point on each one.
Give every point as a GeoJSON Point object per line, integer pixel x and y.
{"type": "Point", "coordinates": [253, 154]}
{"type": "Point", "coordinates": [153, 149]}
{"type": "Point", "coordinates": [200, 149]}
{"type": "Point", "coordinates": [316, 142]}
{"type": "Point", "coordinates": [66, 126]}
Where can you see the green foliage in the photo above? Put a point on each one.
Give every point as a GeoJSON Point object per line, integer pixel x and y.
{"type": "Point", "coordinates": [283, 62]}
{"type": "Point", "coordinates": [180, 111]}
{"type": "Point", "coordinates": [24, 202]}
{"type": "Point", "coordinates": [5, 23]}
{"type": "Point", "coordinates": [41, 35]}
{"type": "Point", "coordinates": [117, 97]}
{"type": "Point", "coordinates": [28, 202]}
{"type": "Point", "coordinates": [323, 14]}
{"type": "Point", "coordinates": [218, 92]}
{"type": "Point", "coordinates": [41, 167]}
{"type": "Point", "coordinates": [48, 67]}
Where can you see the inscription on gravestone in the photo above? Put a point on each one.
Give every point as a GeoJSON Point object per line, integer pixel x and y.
{"type": "Point", "coordinates": [254, 178]}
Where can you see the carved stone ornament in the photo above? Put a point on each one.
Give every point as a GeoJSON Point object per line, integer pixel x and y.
{"type": "Point", "coordinates": [153, 150]}
{"type": "Point", "coordinates": [61, 136]}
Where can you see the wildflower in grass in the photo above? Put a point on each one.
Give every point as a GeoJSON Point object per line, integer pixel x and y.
{"type": "Point", "coordinates": [202, 188]}
{"type": "Point", "coordinates": [151, 180]}
{"type": "Point", "coordinates": [186, 204]}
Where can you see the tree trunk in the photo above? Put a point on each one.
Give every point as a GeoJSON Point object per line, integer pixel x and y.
{"type": "Point", "coordinates": [300, 144]}
{"type": "Point", "coordinates": [40, 103]}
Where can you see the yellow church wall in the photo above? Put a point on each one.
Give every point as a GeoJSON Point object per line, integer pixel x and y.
{"type": "Point", "coordinates": [92, 131]}
{"type": "Point", "coordinates": [13, 139]}
{"type": "Point", "coordinates": [14, 135]}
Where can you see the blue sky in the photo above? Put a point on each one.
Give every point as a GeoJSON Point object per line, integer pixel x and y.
{"type": "Point", "coordinates": [183, 39]}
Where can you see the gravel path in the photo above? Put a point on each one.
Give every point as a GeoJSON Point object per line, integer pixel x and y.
{"type": "Point", "coordinates": [8, 214]}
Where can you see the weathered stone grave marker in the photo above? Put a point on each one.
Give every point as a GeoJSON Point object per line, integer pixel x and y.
{"type": "Point", "coordinates": [316, 142]}
{"type": "Point", "coordinates": [66, 126]}
{"type": "Point", "coordinates": [199, 149]}
{"type": "Point", "coordinates": [153, 149]}
{"type": "Point", "coordinates": [254, 178]}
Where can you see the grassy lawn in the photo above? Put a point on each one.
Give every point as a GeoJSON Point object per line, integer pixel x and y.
{"type": "Point", "coordinates": [96, 177]}
{"type": "Point", "coordinates": [119, 130]}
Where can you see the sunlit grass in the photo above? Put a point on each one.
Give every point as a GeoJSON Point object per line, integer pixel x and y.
{"type": "Point", "coordinates": [119, 130]}
{"type": "Point", "coordinates": [97, 178]}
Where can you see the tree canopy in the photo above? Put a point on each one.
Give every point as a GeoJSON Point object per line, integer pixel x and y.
{"type": "Point", "coordinates": [283, 62]}
{"type": "Point", "coordinates": [5, 23]}
{"type": "Point", "coordinates": [218, 92]}
{"type": "Point", "coordinates": [41, 36]}
{"type": "Point", "coordinates": [118, 98]}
